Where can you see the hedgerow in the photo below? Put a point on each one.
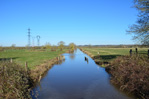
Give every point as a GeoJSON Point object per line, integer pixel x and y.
{"type": "Point", "coordinates": [14, 81]}
{"type": "Point", "coordinates": [131, 73]}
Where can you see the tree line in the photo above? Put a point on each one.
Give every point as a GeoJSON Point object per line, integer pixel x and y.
{"type": "Point", "coordinates": [61, 45]}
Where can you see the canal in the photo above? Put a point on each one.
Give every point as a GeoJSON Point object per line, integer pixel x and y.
{"type": "Point", "coordinates": [76, 78]}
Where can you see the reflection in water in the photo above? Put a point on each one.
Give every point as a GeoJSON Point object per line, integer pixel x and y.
{"type": "Point", "coordinates": [72, 56]}
{"type": "Point", "coordinates": [74, 79]}
{"type": "Point", "coordinates": [59, 62]}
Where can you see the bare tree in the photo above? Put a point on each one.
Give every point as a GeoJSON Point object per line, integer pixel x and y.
{"type": "Point", "coordinates": [141, 28]}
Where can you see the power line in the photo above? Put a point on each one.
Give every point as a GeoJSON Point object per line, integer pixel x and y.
{"type": "Point", "coordinates": [38, 40]}
{"type": "Point", "coordinates": [29, 37]}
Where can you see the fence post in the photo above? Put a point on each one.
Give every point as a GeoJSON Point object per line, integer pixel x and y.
{"type": "Point", "coordinates": [136, 50]}
{"type": "Point", "coordinates": [11, 60]}
{"type": "Point", "coordinates": [130, 52]}
{"type": "Point", "coordinates": [26, 67]}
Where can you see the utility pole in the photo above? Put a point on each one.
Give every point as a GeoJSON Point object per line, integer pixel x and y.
{"type": "Point", "coordinates": [38, 40]}
{"type": "Point", "coordinates": [29, 37]}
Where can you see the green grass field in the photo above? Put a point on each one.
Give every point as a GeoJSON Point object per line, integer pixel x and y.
{"type": "Point", "coordinates": [33, 58]}
{"type": "Point", "coordinates": [108, 54]}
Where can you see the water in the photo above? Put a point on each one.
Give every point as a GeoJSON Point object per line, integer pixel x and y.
{"type": "Point", "coordinates": [77, 79]}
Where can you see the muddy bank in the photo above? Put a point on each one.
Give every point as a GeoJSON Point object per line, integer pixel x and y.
{"type": "Point", "coordinates": [96, 59]}
{"type": "Point", "coordinates": [37, 73]}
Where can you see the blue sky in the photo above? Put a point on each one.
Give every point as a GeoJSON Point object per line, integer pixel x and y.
{"type": "Point", "coordinates": [95, 22]}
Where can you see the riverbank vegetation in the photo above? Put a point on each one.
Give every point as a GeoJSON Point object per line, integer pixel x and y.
{"type": "Point", "coordinates": [15, 82]}
{"type": "Point", "coordinates": [129, 72]}
{"type": "Point", "coordinates": [21, 68]}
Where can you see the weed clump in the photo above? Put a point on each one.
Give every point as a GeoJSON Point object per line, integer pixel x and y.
{"type": "Point", "coordinates": [131, 74]}
{"type": "Point", "coordinates": [14, 81]}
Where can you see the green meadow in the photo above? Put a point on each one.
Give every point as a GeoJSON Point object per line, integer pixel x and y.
{"type": "Point", "coordinates": [32, 57]}
{"type": "Point", "coordinates": [109, 54]}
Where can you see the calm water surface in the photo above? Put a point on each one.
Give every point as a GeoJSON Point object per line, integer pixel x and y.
{"type": "Point", "coordinates": [77, 79]}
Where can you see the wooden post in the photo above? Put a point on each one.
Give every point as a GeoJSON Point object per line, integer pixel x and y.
{"type": "Point", "coordinates": [11, 60]}
{"type": "Point", "coordinates": [26, 67]}
{"type": "Point", "coordinates": [136, 50]}
{"type": "Point", "coordinates": [85, 58]}
{"type": "Point", "coordinates": [130, 52]}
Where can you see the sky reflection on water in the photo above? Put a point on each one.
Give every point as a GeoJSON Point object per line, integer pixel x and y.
{"type": "Point", "coordinates": [77, 79]}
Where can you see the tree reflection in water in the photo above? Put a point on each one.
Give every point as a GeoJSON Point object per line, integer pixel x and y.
{"type": "Point", "coordinates": [72, 56]}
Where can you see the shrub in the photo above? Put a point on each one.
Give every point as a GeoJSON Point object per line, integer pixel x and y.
{"type": "Point", "coordinates": [131, 74]}
{"type": "Point", "coordinates": [14, 81]}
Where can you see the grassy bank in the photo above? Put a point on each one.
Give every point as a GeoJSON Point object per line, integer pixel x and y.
{"type": "Point", "coordinates": [101, 55]}
{"type": "Point", "coordinates": [32, 57]}
{"type": "Point", "coordinates": [15, 78]}
{"type": "Point", "coordinates": [129, 73]}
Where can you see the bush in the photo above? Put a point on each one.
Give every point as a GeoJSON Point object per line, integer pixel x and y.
{"type": "Point", "coordinates": [131, 74]}
{"type": "Point", "coordinates": [14, 81]}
